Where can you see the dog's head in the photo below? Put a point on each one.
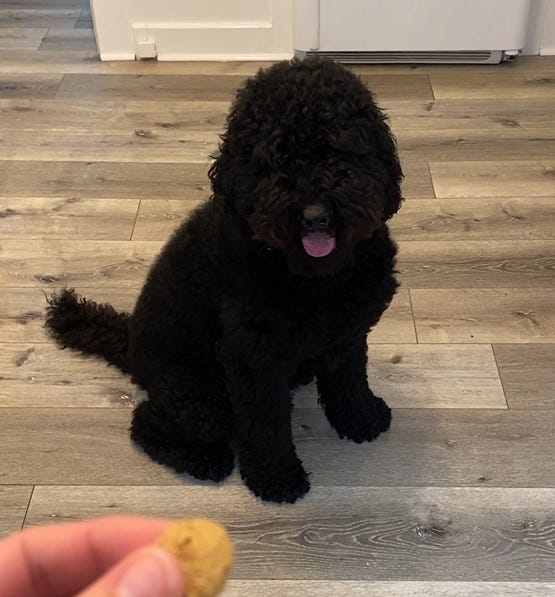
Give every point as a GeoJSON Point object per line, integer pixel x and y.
{"type": "Point", "coordinates": [309, 163]}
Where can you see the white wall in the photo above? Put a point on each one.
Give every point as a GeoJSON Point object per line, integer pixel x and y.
{"type": "Point", "coordinates": [547, 43]}
{"type": "Point", "coordinates": [195, 29]}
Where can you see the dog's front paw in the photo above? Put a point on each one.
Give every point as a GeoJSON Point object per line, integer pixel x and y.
{"type": "Point", "coordinates": [286, 484]}
{"type": "Point", "coordinates": [362, 424]}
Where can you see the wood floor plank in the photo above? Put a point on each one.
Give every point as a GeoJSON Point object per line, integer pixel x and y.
{"type": "Point", "coordinates": [31, 263]}
{"type": "Point", "coordinates": [42, 375]}
{"type": "Point", "coordinates": [14, 500]}
{"type": "Point", "coordinates": [169, 117]}
{"type": "Point", "coordinates": [157, 219]}
{"type": "Point", "coordinates": [39, 17]}
{"type": "Point", "coordinates": [79, 219]}
{"type": "Point", "coordinates": [85, 20]}
{"type": "Point", "coordinates": [428, 376]}
{"type": "Point", "coordinates": [139, 145]}
{"type": "Point", "coordinates": [477, 264]}
{"type": "Point", "coordinates": [210, 87]}
{"type": "Point", "coordinates": [509, 315]}
{"type": "Point", "coordinates": [351, 533]}
{"type": "Point", "coordinates": [110, 180]}
{"type": "Point", "coordinates": [493, 85]}
{"type": "Point", "coordinates": [29, 86]}
{"type": "Point", "coordinates": [417, 181]}
{"type": "Point", "coordinates": [443, 447]}
{"type": "Point", "coordinates": [527, 374]}
{"type": "Point", "coordinates": [396, 324]}
{"type": "Point", "coordinates": [422, 264]}
{"type": "Point", "coordinates": [22, 315]}
{"type": "Point", "coordinates": [68, 40]}
{"type": "Point", "coordinates": [353, 588]}
{"type": "Point", "coordinates": [432, 117]}
{"type": "Point", "coordinates": [511, 143]}
{"type": "Point", "coordinates": [170, 144]}
{"type": "Point", "coordinates": [162, 87]}
{"type": "Point", "coordinates": [19, 38]}
{"type": "Point", "coordinates": [484, 218]}
{"type": "Point", "coordinates": [498, 116]}
{"type": "Point", "coordinates": [398, 86]}
{"type": "Point", "coordinates": [535, 178]}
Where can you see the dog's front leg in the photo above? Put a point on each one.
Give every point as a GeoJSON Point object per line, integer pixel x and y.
{"type": "Point", "coordinates": [261, 401]}
{"type": "Point", "coordinates": [350, 406]}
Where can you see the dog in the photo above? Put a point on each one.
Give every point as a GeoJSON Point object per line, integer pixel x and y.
{"type": "Point", "coordinates": [275, 280]}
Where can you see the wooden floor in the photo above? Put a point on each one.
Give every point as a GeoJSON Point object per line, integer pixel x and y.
{"type": "Point", "coordinates": [99, 162]}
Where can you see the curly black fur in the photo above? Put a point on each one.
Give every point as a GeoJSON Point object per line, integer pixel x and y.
{"type": "Point", "coordinates": [235, 312]}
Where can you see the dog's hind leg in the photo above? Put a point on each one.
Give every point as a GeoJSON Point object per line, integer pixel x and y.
{"type": "Point", "coordinates": [350, 406]}
{"type": "Point", "coordinates": [186, 423]}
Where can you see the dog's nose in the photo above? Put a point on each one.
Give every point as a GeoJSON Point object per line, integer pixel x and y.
{"type": "Point", "coordinates": [316, 217]}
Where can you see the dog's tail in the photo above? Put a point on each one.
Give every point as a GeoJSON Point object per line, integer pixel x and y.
{"type": "Point", "coordinates": [87, 327]}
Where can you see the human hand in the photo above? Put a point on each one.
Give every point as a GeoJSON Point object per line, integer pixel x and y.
{"type": "Point", "coordinates": [108, 557]}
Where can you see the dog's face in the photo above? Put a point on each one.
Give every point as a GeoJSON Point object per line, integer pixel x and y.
{"type": "Point", "coordinates": [309, 164]}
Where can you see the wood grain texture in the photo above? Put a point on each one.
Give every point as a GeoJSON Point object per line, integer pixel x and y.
{"type": "Point", "coordinates": [110, 180]}
{"type": "Point", "coordinates": [39, 17]}
{"type": "Point", "coordinates": [493, 85]}
{"type": "Point", "coordinates": [484, 315]}
{"type": "Point", "coordinates": [352, 533]}
{"type": "Point", "coordinates": [169, 117]}
{"type": "Point", "coordinates": [410, 376]}
{"type": "Point", "coordinates": [157, 219]}
{"type": "Point", "coordinates": [170, 144]}
{"type": "Point", "coordinates": [353, 588]}
{"type": "Point", "coordinates": [85, 20]}
{"type": "Point", "coordinates": [187, 87]}
{"type": "Point", "coordinates": [511, 143]}
{"type": "Point", "coordinates": [477, 264]}
{"type": "Point", "coordinates": [69, 218]}
{"type": "Point", "coordinates": [42, 375]}
{"type": "Point", "coordinates": [69, 40]}
{"type": "Point", "coordinates": [529, 218]}
{"type": "Point", "coordinates": [523, 178]}
{"type": "Point", "coordinates": [428, 376]}
{"type": "Point", "coordinates": [417, 181]}
{"type": "Point", "coordinates": [18, 38]}
{"type": "Point", "coordinates": [424, 447]}
{"type": "Point", "coordinates": [31, 263]}
{"type": "Point", "coordinates": [212, 87]}
{"type": "Point", "coordinates": [398, 86]}
{"type": "Point", "coordinates": [139, 145]}
{"type": "Point", "coordinates": [14, 500]}
{"type": "Point", "coordinates": [27, 86]}
{"type": "Point", "coordinates": [396, 324]}
{"type": "Point", "coordinates": [22, 316]}
{"type": "Point", "coordinates": [434, 116]}
{"type": "Point", "coordinates": [527, 374]}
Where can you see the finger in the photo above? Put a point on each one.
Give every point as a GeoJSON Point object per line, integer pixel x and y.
{"type": "Point", "coordinates": [149, 572]}
{"type": "Point", "coordinates": [58, 560]}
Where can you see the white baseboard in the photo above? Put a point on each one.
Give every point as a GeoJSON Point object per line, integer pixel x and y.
{"type": "Point", "coordinates": [112, 56]}
{"type": "Point", "coordinates": [215, 41]}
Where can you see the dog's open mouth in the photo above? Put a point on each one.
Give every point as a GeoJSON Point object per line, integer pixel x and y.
{"type": "Point", "coordinates": [319, 243]}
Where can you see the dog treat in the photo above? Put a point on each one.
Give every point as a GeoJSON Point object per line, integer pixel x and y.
{"type": "Point", "coordinates": [204, 551]}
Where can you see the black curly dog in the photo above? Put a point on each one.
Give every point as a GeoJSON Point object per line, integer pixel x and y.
{"type": "Point", "coordinates": [277, 278]}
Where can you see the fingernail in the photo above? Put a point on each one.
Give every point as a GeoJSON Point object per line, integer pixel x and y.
{"type": "Point", "coordinates": [154, 573]}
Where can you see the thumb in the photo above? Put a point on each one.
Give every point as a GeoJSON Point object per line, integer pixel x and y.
{"type": "Point", "coordinates": [148, 572]}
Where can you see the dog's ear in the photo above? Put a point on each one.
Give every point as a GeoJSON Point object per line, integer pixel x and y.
{"type": "Point", "coordinates": [386, 147]}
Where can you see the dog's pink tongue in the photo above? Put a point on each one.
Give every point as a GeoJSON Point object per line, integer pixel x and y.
{"type": "Point", "coordinates": [318, 244]}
